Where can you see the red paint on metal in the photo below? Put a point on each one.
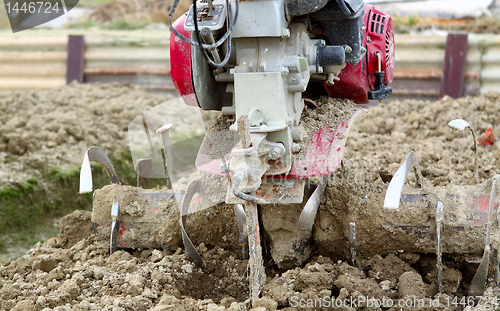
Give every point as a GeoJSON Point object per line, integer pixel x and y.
{"type": "Point", "coordinates": [324, 152]}
{"type": "Point", "coordinates": [180, 63]}
{"type": "Point", "coordinates": [481, 207]}
{"type": "Point", "coordinates": [196, 201]}
{"type": "Point", "coordinates": [488, 139]}
{"type": "Point", "coordinates": [122, 229]}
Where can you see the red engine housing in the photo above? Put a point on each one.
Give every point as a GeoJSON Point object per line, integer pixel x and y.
{"type": "Point", "coordinates": [357, 80]}
{"type": "Point", "coordinates": [180, 63]}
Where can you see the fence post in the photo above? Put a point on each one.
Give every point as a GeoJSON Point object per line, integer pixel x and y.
{"type": "Point", "coordinates": [75, 62]}
{"type": "Point", "coordinates": [452, 79]}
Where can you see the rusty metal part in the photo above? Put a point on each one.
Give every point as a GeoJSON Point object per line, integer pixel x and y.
{"type": "Point", "coordinates": [144, 167]}
{"type": "Point", "coordinates": [115, 227]}
{"type": "Point", "coordinates": [392, 197]}
{"type": "Point", "coordinates": [461, 125]}
{"type": "Point", "coordinates": [478, 283]}
{"type": "Point", "coordinates": [310, 103]}
{"type": "Point", "coordinates": [308, 214]}
{"type": "Point", "coordinates": [165, 138]}
{"type": "Point", "coordinates": [256, 263]}
{"type": "Point", "coordinates": [95, 154]}
{"type": "Point", "coordinates": [235, 189]}
{"type": "Point", "coordinates": [275, 190]}
{"type": "Point", "coordinates": [439, 250]}
{"type": "Point", "coordinates": [191, 251]}
{"type": "Point", "coordinates": [244, 132]}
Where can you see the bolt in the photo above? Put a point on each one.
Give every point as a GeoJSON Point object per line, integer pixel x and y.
{"type": "Point", "coordinates": [274, 155]}
{"type": "Point", "coordinates": [224, 168]}
{"type": "Point", "coordinates": [348, 49]}
{"type": "Point", "coordinates": [286, 33]}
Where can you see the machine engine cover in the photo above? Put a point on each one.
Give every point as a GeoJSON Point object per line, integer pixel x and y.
{"type": "Point", "coordinates": [357, 79]}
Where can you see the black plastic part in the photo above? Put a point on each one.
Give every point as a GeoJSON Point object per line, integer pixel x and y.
{"type": "Point", "coordinates": [302, 7]}
{"type": "Point", "coordinates": [381, 91]}
{"type": "Point", "coordinates": [342, 29]}
{"type": "Point", "coordinates": [210, 94]}
{"type": "Point", "coordinates": [350, 6]}
{"type": "Point", "coordinates": [330, 55]}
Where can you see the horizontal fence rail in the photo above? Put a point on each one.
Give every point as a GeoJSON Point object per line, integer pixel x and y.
{"type": "Point", "coordinates": [38, 59]}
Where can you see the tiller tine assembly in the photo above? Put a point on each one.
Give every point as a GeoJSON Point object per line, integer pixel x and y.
{"type": "Point", "coordinates": [115, 227]}
{"type": "Point", "coordinates": [393, 194]}
{"type": "Point", "coordinates": [308, 215]}
{"type": "Point", "coordinates": [191, 251]}
{"type": "Point", "coordinates": [352, 241]}
{"type": "Point", "coordinates": [439, 249]}
{"type": "Point", "coordinates": [478, 283]}
{"type": "Point", "coordinates": [96, 154]}
{"type": "Point", "coordinates": [461, 125]}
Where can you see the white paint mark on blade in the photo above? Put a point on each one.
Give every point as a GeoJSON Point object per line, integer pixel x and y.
{"type": "Point", "coordinates": [85, 175]}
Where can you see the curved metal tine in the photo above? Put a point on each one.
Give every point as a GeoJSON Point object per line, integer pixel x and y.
{"type": "Point", "coordinates": [461, 125]}
{"type": "Point", "coordinates": [191, 251]}
{"type": "Point", "coordinates": [393, 194]}
{"type": "Point", "coordinates": [439, 251]}
{"type": "Point", "coordinates": [241, 218]}
{"type": "Point", "coordinates": [144, 169]}
{"type": "Point", "coordinates": [478, 283]}
{"type": "Point", "coordinates": [96, 154]}
{"type": "Point", "coordinates": [352, 241]}
{"type": "Point", "coordinates": [115, 227]}
{"type": "Point", "coordinates": [308, 215]}
{"type": "Point", "coordinates": [164, 133]}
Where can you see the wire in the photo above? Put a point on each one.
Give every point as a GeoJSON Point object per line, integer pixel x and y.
{"type": "Point", "coordinates": [189, 41]}
{"type": "Point", "coordinates": [197, 32]}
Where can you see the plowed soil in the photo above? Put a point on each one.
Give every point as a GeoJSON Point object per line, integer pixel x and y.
{"type": "Point", "coordinates": [75, 271]}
